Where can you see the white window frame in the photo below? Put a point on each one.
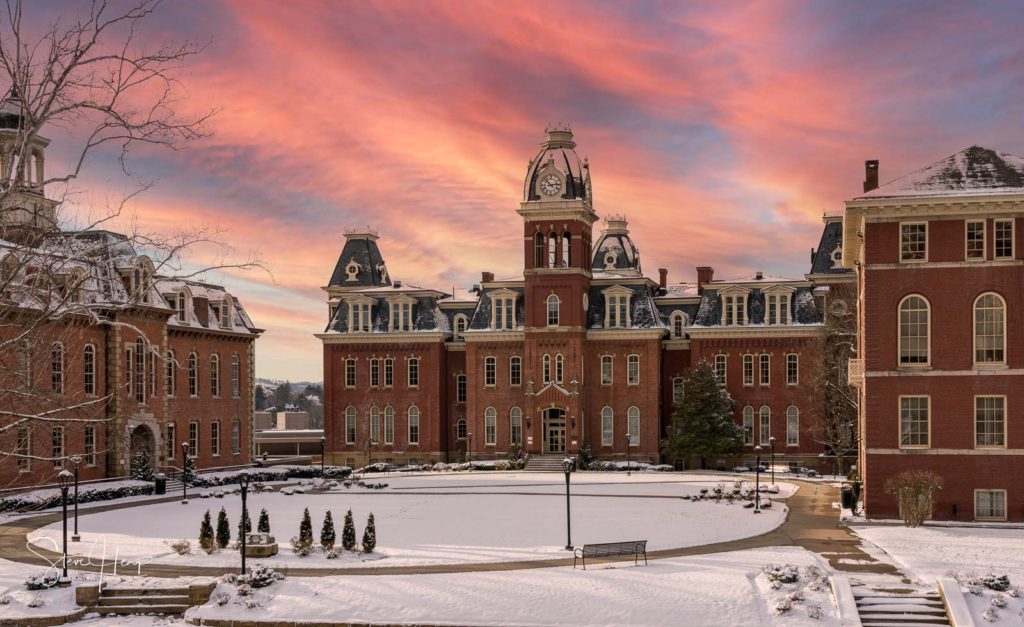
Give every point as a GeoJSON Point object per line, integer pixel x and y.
{"type": "Point", "coordinates": [193, 438]}
{"type": "Point", "coordinates": [974, 327]}
{"type": "Point", "coordinates": [89, 446]}
{"type": "Point", "coordinates": [215, 438]}
{"type": "Point", "coordinates": [678, 324]}
{"type": "Point", "coordinates": [748, 425]}
{"type": "Point", "coordinates": [905, 259]}
{"type": "Point", "coordinates": [459, 325]}
{"type": "Point", "coordinates": [215, 375]}
{"type": "Point", "coordinates": [618, 309]}
{"type": "Point", "coordinates": [389, 373]}
{"type": "Point", "coordinates": [559, 368]}
{"type": "Point", "coordinates": [515, 426]}
{"type": "Point", "coordinates": [503, 310]}
{"type": "Point", "coordinates": [351, 372]}
{"type": "Point", "coordinates": [607, 370]}
{"type": "Point", "coordinates": [193, 375]}
{"type": "Point", "coordinates": [900, 420]}
{"type": "Point", "coordinates": [1005, 413]}
{"type": "Point", "coordinates": [633, 422]}
{"type": "Point", "coordinates": [236, 377]}
{"type": "Point", "coordinates": [58, 445]}
{"type": "Point", "coordinates": [461, 389]}
{"type": "Point", "coordinates": [720, 366]}
{"type": "Point", "coordinates": [764, 435]}
{"type": "Point", "coordinates": [236, 437]}
{"type": "Point", "coordinates": [928, 334]}
{"type": "Point", "coordinates": [89, 369]}
{"type": "Point", "coordinates": [490, 427]}
{"type": "Point", "coordinates": [490, 371]}
{"type": "Point", "coordinates": [792, 426]}
{"type": "Point", "coordinates": [990, 492]}
{"type": "Point", "coordinates": [412, 372]}
{"type": "Point", "coordinates": [633, 370]}
{"type": "Point", "coordinates": [1013, 238]}
{"type": "Point", "coordinates": [553, 310]}
{"type": "Point", "coordinates": [360, 314]}
{"type": "Point", "coordinates": [401, 314]}
{"type": "Point", "coordinates": [170, 374]}
{"type": "Point", "coordinates": [351, 414]}
{"type": "Point", "coordinates": [413, 416]}
{"type": "Point", "coordinates": [748, 370]}
{"type": "Point", "coordinates": [374, 424]}
{"type": "Point", "coordinates": [967, 240]}
{"type": "Point", "coordinates": [764, 370]}
{"type": "Point", "coordinates": [515, 371]}
{"type": "Point", "coordinates": [792, 369]}
{"type": "Point", "coordinates": [607, 426]}
{"type": "Point", "coordinates": [389, 424]}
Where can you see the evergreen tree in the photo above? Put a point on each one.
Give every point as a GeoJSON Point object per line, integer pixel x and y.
{"type": "Point", "coordinates": [247, 523]}
{"type": "Point", "coordinates": [206, 541]}
{"type": "Point", "coordinates": [703, 423]}
{"type": "Point", "coordinates": [348, 534]}
{"type": "Point", "coordinates": [283, 396]}
{"type": "Point", "coordinates": [369, 535]}
{"type": "Point", "coordinates": [327, 534]}
{"type": "Point", "coordinates": [263, 526]}
{"type": "Point", "coordinates": [223, 529]}
{"type": "Point", "coordinates": [141, 466]}
{"type": "Point", "coordinates": [306, 529]}
{"type": "Point", "coordinates": [188, 471]}
{"type": "Point", "coordinates": [585, 456]}
{"type": "Point", "coordinates": [260, 397]}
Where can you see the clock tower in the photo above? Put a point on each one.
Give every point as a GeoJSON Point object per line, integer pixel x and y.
{"type": "Point", "coordinates": [558, 216]}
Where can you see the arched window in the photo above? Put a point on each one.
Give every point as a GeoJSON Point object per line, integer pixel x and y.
{"type": "Point", "coordinates": [989, 329]}
{"type": "Point", "coordinates": [546, 369]}
{"type": "Point", "coordinates": [552, 250]}
{"type": "Point", "coordinates": [193, 375]}
{"type": "Point", "coordinates": [516, 425]}
{"type": "Point", "coordinates": [678, 324]}
{"type": "Point", "coordinates": [89, 369]}
{"type": "Point", "coordinates": [607, 426]}
{"type": "Point", "coordinates": [552, 310]}
{"type": "Point", "coordinates": [57, 368]}
{"type": "Point", "coordinates": [633, 414]}
{"type": "Point", "coordinates": [538, 251]}
{"type": "Point", "coordinates": [490, 426]}
{"type": "Point", "coordinates": [236, 379]}
{"type": "Point", "coordinates": [389, 425]}
{"type": "Point", "coordinates": [414, 425]}
{"type": "Point", "coordinates": [792, 426]}
{"type": "Point", "coordinates": [748, 425]}
{"type": "Point", "coordinates": [140, 370]}
{"type": "Point", "coordinates": [170, 384]}
{"type": "Point", "coordinates": [236, 437]}
{"type": "Point", "coordinates": [766, 425]}
{"type": "Point", "coordinates": [460, 429]}
{"type": "Point", "coordinates": [215, 375]}
{"type": "Point", "coordinates": [559, 368]}
{"type": "Point", "coordinates": [915, 322]}
{"type": "Point", "coordinates": [566, 246]}
{"type": "Point", "coordinates": [375, 424]}
{"type": "Point", "coordinates": [350, 425]}
{"type": "Point", "coordinates": [461, 323]}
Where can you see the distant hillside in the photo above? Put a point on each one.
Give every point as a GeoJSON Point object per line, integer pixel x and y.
{"type": "Point", "coordinates": [271, 384]}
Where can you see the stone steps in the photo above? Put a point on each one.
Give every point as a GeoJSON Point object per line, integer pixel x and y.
{"type": "Point", "coordinates": [545, 463]}
{"type": "Point", "coordinates": [899, 608]}
{"type": "Point", "coordinates": [142, 600]}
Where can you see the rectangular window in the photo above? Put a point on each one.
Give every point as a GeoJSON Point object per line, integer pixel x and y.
{"type": "Point", "coordinates": [374, 373]}
{"type": "Point", "coordinates": [990, 504]}
{"type": "Point", "coordinates": [515, 371]}
{"type": "Point", "coordinates": [89, 369]}
{"type": "Point", "coordinates": [975, 240]}
{"type": "Point", "coordinates": [677, 390]}
{"type": "Point", "coordinates": [389, 372]}
{"type": "Point", "coordinates": [151, 374]}
{"type": "Point", "coordinates": [236, 437]}
{"type": "Point", "coordinates": [914, 419]}
{"type": "Point", "coordinates": [792, 369]}
{"type": "Point", "coordinates": [140, 373]}
{"type": "Point", "coordinates": [172, 442]}
{"type": "Point", "coordinates": [1004, 239]}
{"type": "Point", "coordinates": [633, 370]}
{"type": "Point", "coordinates": [350, 425]}
{"type": "Point", "coordinates": [778, 309]}
{"type": "Point", "coordinates": [765, 369]}
{"type": "Point", "coordinates": [23, 448]}
{"type": "Point", "coordinates": [401, 316]}
{"type": "Point", "coordinates": [361, 317]}
{"type": "Point", "coordinates": [90, 445]}
{"type": "Point", "coordinates": [215, 376]}
{"type": "Point", "coordinates": [734, 310]}
{"type": "Point", "coordinates": [490, 428]}
{"type": "Point", "coordinates": [129, 371]}
{"type": "Point", "coordinates": [516, 426]}
{"type": "Point", "coordinates": [374, 425]}
{"type": "Point", "coordinates": [990, 421]}
{"type": "Point", "coordinates": [504, 314]}
{"type": "Point", "coordinates": [350, 373]}
{"type": "Point", "coordinates": [57, 369]}
{"type": "Point", "coordinates": [57, 452]}
{"type": "Point", "coordinates": [169, 384]}
{"type": "Point", "coordinates": [215, 438]}
{"type": "Point", "coordinates": [913, 241]}
{"type": "Point", "coordinates": [414, 372]}
{"type": "Point", "coordinates": [236, 377]}
{"type": "Point", "coordinates": [606, 369]}
{"type": "Point", "coordinates": [414, 426]}
{"type": "Point", "coordinates": [460, 388]}
{"type": "Point", "coordinates": [490, 372]}
{"type": "Point", "coordinates": [720, 362]}
{"type": "Point", "coordinates": [748, 370]}
{"type": "Point", "coordinates": [618, 311]}
{"type": "Point", "coordinates": [193, 438]}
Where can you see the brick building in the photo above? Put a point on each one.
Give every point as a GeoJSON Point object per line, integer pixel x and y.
{"type": "Point", "coordinates": [583, 347]}
{"type": "Point", "coordinates": [104, 357]}
{"type": "Point", "coordinates": [941, 371]}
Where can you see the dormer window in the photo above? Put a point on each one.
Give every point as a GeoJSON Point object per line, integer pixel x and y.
{"type": "Point", "coordinates": [401, 313]}
{"type": "Point", "coordinates": [734, 306]}
{"type": "Point", "coordinates": [461, 323]}
{"type": "Point", "coordinates": [778, 309]}
{"type": "Point", "coordinates": [225, 312]}
{"type": "Point", "coordinates": [360, 315]}
{"type": "Point", "coordinates": [183, 305]}
{"type": "Point", "coordinates": [503, 312]}
{"type": "Point", "coordinates": [617, 309]}
{"type": "Point", "coordinates": [678, 324]}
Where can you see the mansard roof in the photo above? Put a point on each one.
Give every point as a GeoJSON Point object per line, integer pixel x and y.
{"type": "Point", "coordinates": [427, 316]}
{"type": "Point", "coordinates": [643, 312]}
{"type": "Point", "coordinates": [973, 171]}
{"type": "Point", "coordinates": [615, 252]}
{"type": "Point", "coordinates": [827, 257]}
{"type": "Point", "coordinates": [709, 313]}
{"type": "Point", "coordinates": [360, 263]}
{"type": "Point", "coordinates": [558, 151]}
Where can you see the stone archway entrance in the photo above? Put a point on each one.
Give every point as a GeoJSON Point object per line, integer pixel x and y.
{"type": "Point", "coordinates": [554, 430]}
{"type": "Point", "coordinates": [142, 449]}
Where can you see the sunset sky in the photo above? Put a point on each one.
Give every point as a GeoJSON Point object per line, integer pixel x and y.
{"type": "Point", "coordinates": [721, 130]}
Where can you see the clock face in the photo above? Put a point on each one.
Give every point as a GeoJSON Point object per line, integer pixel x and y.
{"type": "Point", "coordinates": [550, 184]}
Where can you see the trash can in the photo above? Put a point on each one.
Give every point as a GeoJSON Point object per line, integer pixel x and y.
{"type": "Point", "coordinates": [847, 493]}
{"type": "Point", "coordinates": [161, 483]}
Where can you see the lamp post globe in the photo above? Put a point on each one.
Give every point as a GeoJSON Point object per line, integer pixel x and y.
{"type": "Point", "coordinates": [568, 465]}
{"type": "Point", "coordinates": [757, 480]}
{"type": "Point", "coordinates": [771, 442]}
{"type": "Point", "coordinates": [77, 461]}
{"type": "Point", "coordinates": [184, 468]}
{"type": "Point", "coordinates": [64, 479]}
{"type": "Point", "coordinates": [243, 482]}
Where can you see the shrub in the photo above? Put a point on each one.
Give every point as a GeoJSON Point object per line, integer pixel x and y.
{"type": "Point", "coordinates": [516, 458]}
{"type": "Point", "coordinates": [5, 599]}
{"type": "Point", "coordinates": [815, 612]}
{"type": "Point", "coordinates": [300, 547]}
{"type": "Point", "coordinates": [89, 493]}
{"type": "Point", "coordinates": [223, 530]}
{"type": "Point", "coordinates": [243, 589]}
{"type": "Point", "coordinates": [41, 582]}
{"type": "Point", "coordinates": [306, 528]}
{"type": "Point", "coordinates": [348, 533]}
{"type": "Point", "coordinates": [999, 583]}
{"type": "Point", "coordinates": [785, 573]}
{"type": "Point", "coordinates": [327, 534]}
{"type": "Point", "coordinates": [181, 547]}
{"type": "Point", "coordinates": [332, 553]}
{"type": "Point", "coordinates": [244, 525]}
{"type": "Point", "coordinates": [369, 535]}
{"type": "Point", "coordinates": [263, 526]}
{"type": "Point", "coordinates": [36, 601]}
{"type": "Point", "coordinates": [221, 598]}
{"type": "Point", "coordinates": [915, 492]}
{"type": "Point", "coordinates": [206, 539]}
{"type": "Point", "coordinates": [585, 456]}
{"type": "Point", "coordinates": [260, 576]}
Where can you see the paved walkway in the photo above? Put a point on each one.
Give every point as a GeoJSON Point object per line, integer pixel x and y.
{"type": "Point", "coordinates": [812, 523]}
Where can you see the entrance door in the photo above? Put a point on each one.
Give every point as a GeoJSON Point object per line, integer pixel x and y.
{"type": "Point", "coordinates": [554, 431]}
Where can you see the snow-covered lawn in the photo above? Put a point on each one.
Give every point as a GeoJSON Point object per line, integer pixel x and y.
{"type": "Point", "coordinates": [719, 589]}
{"type": "Point", "coordinates": [443, 519]}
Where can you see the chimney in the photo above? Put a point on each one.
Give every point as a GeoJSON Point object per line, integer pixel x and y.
{"type": "Point", "coordinates": [759, 275]}
{"type": "Point", "coordinates": [870, 175]}
{"type": "Point", "coordinates": [705, 274]}
{"type": "Point", "coordinates": [662, 277]}
{"type": "Point", "coordinates": [486, 277]}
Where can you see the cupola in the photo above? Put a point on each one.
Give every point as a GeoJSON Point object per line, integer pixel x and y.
{"type": "Point", "coordinates": [557, 172]}
{"type": "Point", "coordinates": [615, 251]}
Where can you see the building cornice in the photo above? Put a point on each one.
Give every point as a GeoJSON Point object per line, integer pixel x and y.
{"type": "Point", "coordinates": [997, 263]}
{"type": "Point", "coordinates": [824, 279]}
{"type": "Point", "coordinates": [494, 336]}
{"type": "Point", "coordinates": [754, 331]}
{"type": "Point", "coordinates": [381, 338]}
{"type": "Point", "coordinates": [676, 344]}
{"type": "Point", "coordinates": [625, 334]}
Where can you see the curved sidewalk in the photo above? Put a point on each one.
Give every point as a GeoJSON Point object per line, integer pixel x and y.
{"type": "Point", "coordinates": [811, 523]}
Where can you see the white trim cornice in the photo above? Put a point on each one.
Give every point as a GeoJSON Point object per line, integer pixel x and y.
{"type": "Point", "coordinates": [626, 334]}
{"type": "Point", "coordinates": [381, 338]}
{"type": "Point", "coordinates": [494, 336]}
{"type": "Point", "coordinates": [755, 331]}
{"type": "Point", "coordinates": [676, 345]}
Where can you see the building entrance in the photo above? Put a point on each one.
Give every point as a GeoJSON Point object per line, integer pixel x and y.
{"type": "Point", "coordinates": [554, 431]}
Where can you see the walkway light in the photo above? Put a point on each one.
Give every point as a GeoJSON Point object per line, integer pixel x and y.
{"type": "Point", "coordinates": [76, 460]}
{"type": "Point", "coordinates": [64, 479]}
{"type": "Point", "coordinates": [243, 480]}
{"type": "Point", "coordinates": [757, 481]}
{"type": "Point", "coordinates": [568, 465]}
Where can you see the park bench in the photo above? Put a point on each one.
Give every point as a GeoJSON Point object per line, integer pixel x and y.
{"type": "Point", "coordinates": [636, 548]}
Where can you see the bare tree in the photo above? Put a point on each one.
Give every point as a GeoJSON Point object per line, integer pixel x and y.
{"type": "Point", "coordinates": [95, 78]}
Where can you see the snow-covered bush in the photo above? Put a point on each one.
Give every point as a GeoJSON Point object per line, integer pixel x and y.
{"type": "Point", "coordinates": [783, 606]}
{"type": "Point", "coordinates": [36, 601]}
{"type": "Point", "coordinates": [221, 598]}
{"type": "Point", "coordinates": [991, 615]}
{"type": "Point", "coordinates": [998, 600]}
{"type": "Point", "coordinates": [243, 590]}
{"type": "Point", "coordinates": [260, 576]}
{"type": "Point", "coordinates": [87, 493]}
{"type": "Point", "coordinates": [332, 554]}
{"type": "Point", "coordinates": [816, 578]}
{"type": "Point", "coordinates": [784, 573]}
{"type": "Point", "coordinates": [1000, 583]}
{"type": "Point", "coordinates": [370, 535]}
{"type": "Point", "coordinates": [5, 599]}
{"type": "Point", "coordinates": [914, 491]}
{"type": "Point", "coordinates": [41, 582]}
{"type": "Point", "coordinates": [815, 612]}
{"type": "Point", "coordinates": [181, 547]}
{"type": "Point", "coordinates": [662, 468]}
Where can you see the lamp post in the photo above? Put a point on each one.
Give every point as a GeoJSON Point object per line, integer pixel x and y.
{"type": "Point", "coordinates": [771, 442]}
{"type": "Point", "coordinates": [469, 447]}
{"type": "Point", "coordinates": [76, 460]}
{"type": "Point", "coordinates": [629, 436]}
{"type": "Point", "coordinates": [757, 481]}
{"type": "Point", "coordinates": [567, 466]}
{"type": "Point", "coordinates": [243, 480]}
{"type": "Point", "coordinates": [184, 468]}
{"type": "Point", "coordinates": [323, 447]}
{"type": "Point", "coordinates": [64, 478]}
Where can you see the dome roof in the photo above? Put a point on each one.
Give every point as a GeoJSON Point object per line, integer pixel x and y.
{"type": "Point", "coordinates": [558, 152]}
{"type": "Point", "coordinates": [615, 252]}
{"type": "Point", "coordinates": [10, 111]}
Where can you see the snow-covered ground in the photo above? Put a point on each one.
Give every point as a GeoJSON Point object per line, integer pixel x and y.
{"type": "Point", "coordinates": [443, 519]}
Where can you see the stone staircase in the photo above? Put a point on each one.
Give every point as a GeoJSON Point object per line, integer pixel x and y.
{"type": "Point", "coordinates": [881, 607]}
{"type": "Point", "coordinates": [125, 601]}
{"type": "Point", "coordinates": [544, 463]}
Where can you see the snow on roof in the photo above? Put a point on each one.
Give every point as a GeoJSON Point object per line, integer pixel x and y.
{"type": "Point", "coordinates": [972, 171]}
{"type": "Point", "coordinates": [756, 278]}
{"type": "Point", "coordinates": [681, 290]}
